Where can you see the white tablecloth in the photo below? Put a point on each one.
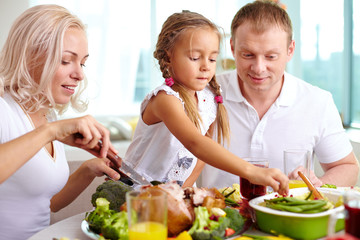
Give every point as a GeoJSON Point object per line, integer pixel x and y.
{"type": "Point", "coordinates": [69, 227]}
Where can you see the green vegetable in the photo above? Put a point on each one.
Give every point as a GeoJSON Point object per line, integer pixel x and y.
{"type": "Point", "coordinates": [328, 186]}
{"type": "Point", "coordinates": [96, 218]}
{"type": "Point", "coordinates": [292, 204]}
{"type": "Point", "coordinates": [113, 191]}
{"type": "Point", "coordinates": [236, 220]}
{"type": "Point", "coordinates": [116, 227]}
{"type": "Point", "coordinates": [110, 223]}
{"type": "Point", "coordinates": [206, 229]}
{"type": "Point", "coordinates": [256, 237]}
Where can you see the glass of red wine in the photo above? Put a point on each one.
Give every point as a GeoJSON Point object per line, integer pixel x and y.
{"type": "Point", "coordinates": [352, 213]}
{"type": "Point", "coordinates": [249, 190]}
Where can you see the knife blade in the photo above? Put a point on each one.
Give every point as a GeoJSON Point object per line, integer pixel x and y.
{"type": "Point", "coordinates": [127, 175]}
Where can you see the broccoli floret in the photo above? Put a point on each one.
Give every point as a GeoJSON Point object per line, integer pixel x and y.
{"type": "Point", "coordinates": [110, 223]}
{"type": "Point", "coordinates": [113, 191]}
{"type": "Point", "coordinates": [219, 231]}
{"type": "Point", "coordinates": [117, 227]}
{"type": "Point", "coordinates": [97, 218]}
{"type": "Point", "coordinates": [236, 220]}
{"type": "Point", "coordinates": [206, 229]}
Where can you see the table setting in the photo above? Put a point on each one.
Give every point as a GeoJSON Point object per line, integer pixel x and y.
{"type": "Point", "coordinates": [133, 208]}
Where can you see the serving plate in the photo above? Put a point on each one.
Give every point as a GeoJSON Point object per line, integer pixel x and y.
{"type": "Point", "coordinates": [297, 225]}
{"type": "Point", "coordinates": [86, 230]}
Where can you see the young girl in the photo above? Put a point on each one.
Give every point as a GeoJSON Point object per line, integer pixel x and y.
{"type": "Point", "coordinates": [175, 116]}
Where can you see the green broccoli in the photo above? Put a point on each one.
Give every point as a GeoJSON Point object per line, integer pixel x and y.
{"type": "Point", "coordinates": [236, 220]}
{"type": "Point", "coordinates": [113, 191]}
{"type": "Point", "coordinates": [206, 229]}
{"type": "Point", "coordinates": [96, 219]}
{"type": "Point", "coordinates": [109, 223]}
{"type": "Point", "coordinates": [116, 227]}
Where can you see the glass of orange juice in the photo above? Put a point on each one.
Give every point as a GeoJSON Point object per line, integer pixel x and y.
{"type": "Point", "coordinates": [147, 214]}
{"type": "Point", "coordinates": [297, 160]}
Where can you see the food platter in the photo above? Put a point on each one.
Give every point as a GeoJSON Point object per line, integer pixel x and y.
{"type": "Point", "coordinates": [86, 230]}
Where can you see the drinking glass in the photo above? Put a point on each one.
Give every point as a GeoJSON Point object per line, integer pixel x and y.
{"type": "Point", "coordinates": [147, 214]}
{"type": "Point", "coordinates": [249, 190]}
{"type": "Point", "coordinates": [297, 160]}
{"type": "Point", "coordinates": [351, 214]}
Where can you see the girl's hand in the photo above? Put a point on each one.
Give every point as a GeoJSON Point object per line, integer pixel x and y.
{"type": "Point", "coordinates": [83, 132]}
{"type": "Point", "coordinates": [272, 177]}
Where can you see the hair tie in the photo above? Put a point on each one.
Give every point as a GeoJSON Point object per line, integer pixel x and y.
{"type": "Point", "coordinates": [219, 99]}
{"type": "Point", "coordinates": [169, 81]}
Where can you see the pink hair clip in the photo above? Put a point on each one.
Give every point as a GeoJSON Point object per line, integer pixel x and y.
{"type": "Point", "coordinates": [169, 81]}
{"type": "Point", "coordinates": [219, 99]}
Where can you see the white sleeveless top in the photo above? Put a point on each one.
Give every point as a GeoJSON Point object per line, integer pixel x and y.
{"type": "Point", "coordinates": [156, 153]}
{"type": "Point", "coordinates": [25, 196]}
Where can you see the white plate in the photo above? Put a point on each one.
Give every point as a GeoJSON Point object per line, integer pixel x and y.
{"type": "Point", "coordinates": [331, 193]}
{"type": "Point", "coordinates": [85, 228]}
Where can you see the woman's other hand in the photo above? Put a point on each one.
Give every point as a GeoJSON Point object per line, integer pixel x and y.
{"type": "Point", "coordinates": [101, 166]}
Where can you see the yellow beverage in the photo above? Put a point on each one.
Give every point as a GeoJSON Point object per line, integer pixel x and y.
{"type": "Point", "coordinates": [148, 231]}
{"type": "Point", "coordinates": [296, 184]}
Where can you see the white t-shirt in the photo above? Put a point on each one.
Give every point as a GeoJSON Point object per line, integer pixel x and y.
{"type": "Point", "coordinates": [302, 117]}
{"type": "Point", "coordinates": [25, 196]}
{"type": "Point", "coordinates": [156, 153]}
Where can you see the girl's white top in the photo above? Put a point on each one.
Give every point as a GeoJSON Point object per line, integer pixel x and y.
{"type": "Point", "coordinates": [156, 153]}
{"type": "Point", "coordinates": [25, 196]}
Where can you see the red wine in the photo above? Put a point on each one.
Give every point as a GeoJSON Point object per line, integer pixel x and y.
{"type": "Point", "coordinates": [352, 218]}
{"type": "Point", "coordinates": [249, 190]}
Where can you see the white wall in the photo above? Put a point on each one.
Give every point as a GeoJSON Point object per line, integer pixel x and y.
{"type": "Point", "coordinates": [9, 11]}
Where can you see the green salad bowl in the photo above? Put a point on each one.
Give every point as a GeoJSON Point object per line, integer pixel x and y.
{"type": "Point", "coordinates": [297, 225]}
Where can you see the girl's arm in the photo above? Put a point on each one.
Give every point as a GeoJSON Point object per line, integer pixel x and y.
{"type": "Point", "coordinates": [168, 109]}
{"type": "Point", "coordinates": [199, 165]}
{"type": "Point", "coordinates": [189, 182]}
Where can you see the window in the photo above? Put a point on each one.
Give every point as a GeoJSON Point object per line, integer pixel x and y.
{"type": "Point", "coordinates": [355, 66]}
{"type": "Point", "coordinates": [122, 37]}
{"type": "Point", "coordinates": [329, 47]}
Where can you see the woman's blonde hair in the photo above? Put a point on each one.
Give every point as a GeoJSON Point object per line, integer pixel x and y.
{"type": "Point", "coordinates": [171, 31]}
{"type": "Point", "coordinates": [34, 49]}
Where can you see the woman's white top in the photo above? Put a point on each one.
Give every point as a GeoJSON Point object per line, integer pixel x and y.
{"type": "Point", "coordinates": [156, 153]}
{"type": "Point", "coordinates": [25, 196]}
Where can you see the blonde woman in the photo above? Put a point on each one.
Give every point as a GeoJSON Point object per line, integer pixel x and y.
{"type": "Point", "coordinates": [41, 73]}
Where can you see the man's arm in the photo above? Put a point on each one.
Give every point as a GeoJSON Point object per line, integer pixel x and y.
{"type": "Point", "coordinates": [342, 173]}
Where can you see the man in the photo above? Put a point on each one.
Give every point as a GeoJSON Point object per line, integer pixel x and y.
{"type": "Point", "coordinates": [271, 110]}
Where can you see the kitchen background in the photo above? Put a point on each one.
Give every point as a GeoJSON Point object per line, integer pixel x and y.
{"type": "Point", "coordinates": [122, 36]}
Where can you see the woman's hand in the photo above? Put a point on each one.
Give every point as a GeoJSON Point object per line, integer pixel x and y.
{"type": "Point", "coordinates": [83, 132]}
{"type": "Point", "coordinates": [80, 180]}
{"type": "Point", "coordinates": [101, 166]}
